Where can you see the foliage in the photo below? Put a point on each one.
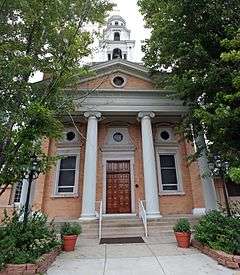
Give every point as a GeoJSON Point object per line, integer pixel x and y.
{"type": "Point", "coordinates": [71, 229]}
{"type": "Point", "coordinates": [219, 231]}
{"type": "Point", "coordinates": [234, 208]}
{"type": "Point", "coordinates": [182, 225]}
{"type": "Point", "coordinates": [25, 242]}
{"type": "Point", "coordinates": [198, 42]}
{"type": "Point", "coordinates": [39, 36]}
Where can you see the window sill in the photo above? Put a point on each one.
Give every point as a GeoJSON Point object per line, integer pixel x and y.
{"type": "Point", "coordinates": [172, 193]}
{"type": "Point", "coordinates": [65, 196]}
{"type": "Point", "coordinates": [7, 206]}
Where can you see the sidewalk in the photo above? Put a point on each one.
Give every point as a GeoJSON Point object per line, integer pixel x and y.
{"type": "Point", "coordinates": [151, 258]}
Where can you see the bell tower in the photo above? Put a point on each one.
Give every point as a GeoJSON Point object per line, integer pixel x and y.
{"type": "Point", "coordinates": [116, 42]}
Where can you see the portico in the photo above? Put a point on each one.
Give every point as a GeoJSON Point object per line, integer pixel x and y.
{"type": "Point", "coordinates": [119, 152]}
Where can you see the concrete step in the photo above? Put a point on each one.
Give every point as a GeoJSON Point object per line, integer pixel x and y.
{"type": "Point", "coordinates": [130, 226]}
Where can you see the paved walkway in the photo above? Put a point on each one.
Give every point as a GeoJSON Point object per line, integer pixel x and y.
{"type": "Point", "coordinates": [152, 258]}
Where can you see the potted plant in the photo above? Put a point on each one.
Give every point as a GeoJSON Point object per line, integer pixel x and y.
{"type": "Point", "coordinates": [182, 230]}
{"type": "Point", "coordinates": [69, 233]}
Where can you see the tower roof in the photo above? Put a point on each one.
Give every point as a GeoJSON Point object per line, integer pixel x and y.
{"type": "Point", "coordinates": [116, 18]}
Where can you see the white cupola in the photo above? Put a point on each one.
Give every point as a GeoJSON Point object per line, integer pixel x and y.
{"type": "Point", "coordinates": [116, 42]}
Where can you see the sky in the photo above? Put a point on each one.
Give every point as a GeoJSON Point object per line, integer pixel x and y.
{"type": "Point", "coordinates": [128, 9]}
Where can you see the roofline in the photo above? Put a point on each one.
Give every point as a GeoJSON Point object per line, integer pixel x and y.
{"type": "Point", "coordinates": [106, 64]}
{"type": "Point", "coordinates": [112, 72]}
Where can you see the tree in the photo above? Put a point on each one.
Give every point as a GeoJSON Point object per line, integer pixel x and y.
{"type": "Point", "coordinates": [190, 37]}
{"type": "Point", "coordinates": [50, 37]}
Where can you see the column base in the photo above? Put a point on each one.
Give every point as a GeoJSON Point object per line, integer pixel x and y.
{"type": "Point", "coordinates": [87, 217]}
{"type": "Point", "coordinates": [199, 211]}
{"type": "Point", "coordinates": [153, 216]}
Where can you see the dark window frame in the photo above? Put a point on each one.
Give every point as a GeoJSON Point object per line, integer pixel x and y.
{"type": "Point", "coordinates": [169, 187]}
{"type": "Point", "coordinates": [60, 187]}
{"type": "Point", "coordinates": [18, 192]}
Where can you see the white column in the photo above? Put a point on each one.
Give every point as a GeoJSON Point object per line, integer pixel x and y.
{"type": "Point", "coordinates": [209, 191]}
{"type": "Point", "coordinates": [149, 166]}
{"type": "Point", "coordinates": [90, 167]}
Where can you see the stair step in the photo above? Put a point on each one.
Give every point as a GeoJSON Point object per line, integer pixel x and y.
{"type": "Point", "coordinates": [131, 226]}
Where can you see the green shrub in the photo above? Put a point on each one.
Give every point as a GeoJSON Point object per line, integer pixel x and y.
{"type": "Point", "coordinates": [219, 231]}
{"type": "Point", "coordinates": [182, 225]}
{"type": "Point", "coordinates": [71, 229]}
{"type": "Point", "coordinates": [25, 242]}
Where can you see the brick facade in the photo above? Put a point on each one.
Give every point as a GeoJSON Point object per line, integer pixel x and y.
{"type": "Point", "coordinates": [70, 207]}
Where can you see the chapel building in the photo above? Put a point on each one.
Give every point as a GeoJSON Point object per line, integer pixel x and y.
{"type": "Point", "coordinates": [120, 146]}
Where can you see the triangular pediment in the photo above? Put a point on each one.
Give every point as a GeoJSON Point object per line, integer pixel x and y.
{"type": "Point", "coordinates": [136, 76]}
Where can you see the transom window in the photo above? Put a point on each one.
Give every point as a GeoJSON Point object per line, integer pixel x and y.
{"type": "Point", "coordinates": [168, 172]}
{"type": "Point", "coordinates": [67, 175]}
{"type": "Point", "coordinates": [165, 135]}
{"type": "Point", "coordinates": [70, 136]}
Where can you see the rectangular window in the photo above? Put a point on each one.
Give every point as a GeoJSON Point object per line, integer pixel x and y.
{"type": "Point", "coordinates": [18, 191]}
{"type": "Point", "coordinates": [168, 172]}
{"type": "Point", "coordinates": [67, 175]}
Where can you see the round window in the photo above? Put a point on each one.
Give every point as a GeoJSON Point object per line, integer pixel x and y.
{"type": "Point", "coordinates": [165, 135]}
{"type": "Point", "coordinates": [118, 137]}
{"type": "Point", "coordinates": [118, 81]}
{"type": "Point", "coordinates": [70, 136]}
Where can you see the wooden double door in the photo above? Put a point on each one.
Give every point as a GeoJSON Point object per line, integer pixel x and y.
{"type": "Point", "coordinates": [118, 187]}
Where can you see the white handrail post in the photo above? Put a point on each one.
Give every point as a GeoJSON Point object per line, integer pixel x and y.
{"type": "Point", "coordinates": [100, 221]}
{"type": "Point", "coordinates": [143, 216]}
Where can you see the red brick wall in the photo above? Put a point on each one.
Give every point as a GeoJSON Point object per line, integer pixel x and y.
{"type": "Point", "coordinates": [5, 202]}
{"type": "Point", "coordinates": [60, 207]}
{"type": "Point", "coordinates": [105, 83]}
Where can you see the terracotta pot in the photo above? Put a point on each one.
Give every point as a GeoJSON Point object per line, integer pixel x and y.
{"type": "Point", "coordinates": [183, 239]}
{"type": "Point", "coordinates": [69, 242]}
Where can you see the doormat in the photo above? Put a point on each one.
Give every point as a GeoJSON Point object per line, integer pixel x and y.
{"type": "Point", "coordinates": [121, 240]}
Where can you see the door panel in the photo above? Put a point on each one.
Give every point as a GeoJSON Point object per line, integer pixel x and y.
{"type": "Point", "coordinates": [118, 195]}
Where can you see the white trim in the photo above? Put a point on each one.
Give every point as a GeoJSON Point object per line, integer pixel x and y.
{"type": "Point", "coordinates": [167, 193]}
{"type": "Point", "coordinates": [117, 62]}
{"type": "Point", "coordinates": [70, 143]}
{"type": "Point", "coordinates": [67, 152]}
{"type": "Point", "coordinates": [119, 156]}
{"type": "Point", "coordinates": [172, 151]}
{"type": "Point", "coordinates": [199, 211]}
{"type": "Point", "coordinates": [169, 130]}
{"type": "Point", "coordinates": [115, 71]}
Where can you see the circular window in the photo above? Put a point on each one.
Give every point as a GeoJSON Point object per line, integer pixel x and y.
{"type": "Point", "coordinates": [70, 136]}
{"type": "Point", "coordinates": [118, 137]}
{"type": "Point", "coordinates": [118, 81]}
{"type": "Point", "coordinates": [165, 135]}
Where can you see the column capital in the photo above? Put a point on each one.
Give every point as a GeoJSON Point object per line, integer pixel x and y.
{"type": "Point", "coordinates": [141, 115]}
{"type": "Point", "coordinates": [93, 114]}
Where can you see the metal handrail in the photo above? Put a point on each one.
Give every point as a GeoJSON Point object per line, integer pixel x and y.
{"type": "Point", "coordinates": [99, 215]}
{"type": "Point", "coordinates": [143, 216]}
